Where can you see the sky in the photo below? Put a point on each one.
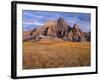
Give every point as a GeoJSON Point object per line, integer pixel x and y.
{"type": "Point", "coordinates": [32, 19]}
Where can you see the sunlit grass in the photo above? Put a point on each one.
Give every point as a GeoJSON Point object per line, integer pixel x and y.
{"type": "Point", "coordinates": [53, 54]}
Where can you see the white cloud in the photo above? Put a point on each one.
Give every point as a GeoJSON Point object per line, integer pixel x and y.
{"type": "Point", "coordinates": [36, 23]}
{"type": "Point", "coordinates": [32, 23]}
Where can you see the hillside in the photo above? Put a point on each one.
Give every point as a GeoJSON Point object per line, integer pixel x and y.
{"type": "Point", "coordinates": [57, 29]}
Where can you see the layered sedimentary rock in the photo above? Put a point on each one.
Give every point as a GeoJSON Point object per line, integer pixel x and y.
{"type": "Point", "coordinates": [58, 29]}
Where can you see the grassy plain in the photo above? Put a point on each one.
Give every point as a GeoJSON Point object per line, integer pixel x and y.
{"type": "Point", "coordinates": [54, 54]}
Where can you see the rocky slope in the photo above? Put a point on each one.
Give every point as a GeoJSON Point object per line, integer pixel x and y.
{"type": "Point", "coordinates": [57, 30]}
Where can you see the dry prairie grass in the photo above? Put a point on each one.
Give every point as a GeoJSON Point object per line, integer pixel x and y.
{"type": "Point", "coordinates": [54, 54]}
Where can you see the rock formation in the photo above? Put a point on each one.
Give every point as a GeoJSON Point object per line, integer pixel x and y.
{"type": "Point", "coordinates": [58, 29]}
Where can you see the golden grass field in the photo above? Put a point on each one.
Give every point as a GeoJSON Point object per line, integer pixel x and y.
{"type": "Point", "coordinates": [54, 54]}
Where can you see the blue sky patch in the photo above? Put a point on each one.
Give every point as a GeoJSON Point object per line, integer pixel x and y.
{"type": "Point", "coordinates": [32, 19]}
